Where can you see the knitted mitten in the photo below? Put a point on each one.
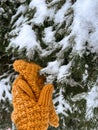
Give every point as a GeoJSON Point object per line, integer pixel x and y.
{"type": "Point", "coordinates": [30, 73]}
{"type": "Point", "coordinates": [29, 114]}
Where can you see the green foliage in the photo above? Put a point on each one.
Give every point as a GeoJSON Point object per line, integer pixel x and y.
{"type": "Point", "coordinates": [5, 113]}
{"type": "Point", "coordinates": [8, 9]}
{"type": "Point", "coordinates": [5, 17]}
{"type": "Point", "coordinates": [85, 66]}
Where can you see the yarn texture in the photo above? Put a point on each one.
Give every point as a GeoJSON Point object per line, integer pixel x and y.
{"type": "Point", "coordinates": [33, 108]}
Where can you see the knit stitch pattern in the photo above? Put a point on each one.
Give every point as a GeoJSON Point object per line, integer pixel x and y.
{"type": "Point", "coordinates": [32, 99]}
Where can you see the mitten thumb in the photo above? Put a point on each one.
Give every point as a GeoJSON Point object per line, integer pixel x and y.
{"type": "Point", "coordinates": [46, 95]}
{"type": "Point", "coordinates": [53, 117]}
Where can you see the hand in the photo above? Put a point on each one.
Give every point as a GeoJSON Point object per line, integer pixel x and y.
{"type": "Point", "coordinates": [32, 83]}
{"type": "Point", "coordinates": [29, 114]}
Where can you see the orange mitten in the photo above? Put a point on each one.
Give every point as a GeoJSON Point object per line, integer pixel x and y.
{"type": "Point", "coordinates": [29, 72]}
{"type": "Point", "coordinates": [29, 114]}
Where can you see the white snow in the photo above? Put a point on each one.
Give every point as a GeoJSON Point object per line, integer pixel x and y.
{"type": "Point", "coordinates": [63, 104]}
{"type": "Point", "coordinates": [19, 21]}
{"type": "Point", "coordinates": [64, 43]}
{"type": "Point", "coordinates": [85, 25]}
{"type": "Point", "coordinates": [26, 38]}
{"type": "Point", "coordinates": [48, 35]}
{"type": "Point", "coordinates": [21, 10]}
{"type": "Point", "coordinates": [41, 11]}
{"type": "Point", "coordinates": [59, 16]}
{"type": "Point", "coordinates": [91, 98]}
{"type": "Point", "coordinates": [1, 11]}
{"type": "Point", "coordinates": [92, 101]}
{"type": "Point", "coordinates": [85, 75]}
{"type": "Point", "coordinates": [6, 88]}
{"type": "Point", "coordinates": [64, 72]}
{"type": "Point", "coordinates": [52, 68]}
